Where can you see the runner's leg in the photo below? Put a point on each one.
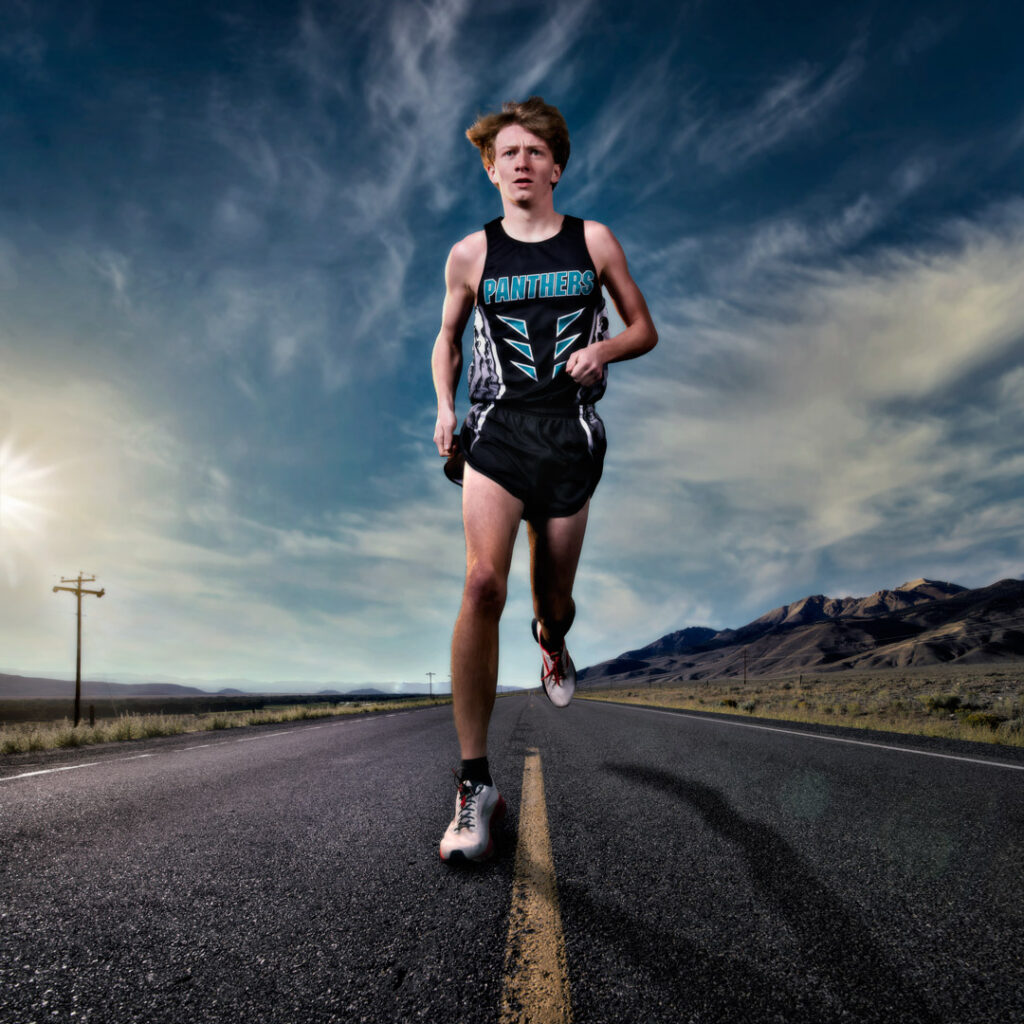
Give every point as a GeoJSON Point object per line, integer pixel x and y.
{"type": "Point", "coordinates": [491, 517]}
{"type": "Point", "coordinates": [555, 546]}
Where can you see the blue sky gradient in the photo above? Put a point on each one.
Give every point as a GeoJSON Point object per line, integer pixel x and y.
{"type": "Point", "coordinates": [222, 236]}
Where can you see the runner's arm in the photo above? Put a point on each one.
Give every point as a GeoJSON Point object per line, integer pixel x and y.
{"type": "Point", "coordinates": [446, 359]}
{"type": "Point", "coordinates": [640, 335]}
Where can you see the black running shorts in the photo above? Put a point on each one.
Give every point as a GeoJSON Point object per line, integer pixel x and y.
{"type": "Point", "coordinates": [550, 460]}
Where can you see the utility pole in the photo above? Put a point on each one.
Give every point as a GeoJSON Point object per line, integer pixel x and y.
{"type": "Point", "coordinates": [78, 591]}
{"type": "Point", "coordinates": [430, 676]}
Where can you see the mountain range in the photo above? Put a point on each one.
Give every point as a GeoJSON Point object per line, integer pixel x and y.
{"type": "Point", "coordinates": [14, 686]}
{"type": "Point", "coordinates": [923, 622]}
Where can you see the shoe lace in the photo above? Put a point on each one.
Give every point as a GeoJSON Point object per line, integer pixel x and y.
{"type": "Point", "coordinates": [552, 672]}
{"type": "Point", "coordinates": [467, 804]}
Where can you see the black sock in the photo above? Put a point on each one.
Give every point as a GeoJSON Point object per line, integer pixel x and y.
{"type": "Point", "coordinates": [475, 769]}
{"type": "Point", "coordinates": [556, 636]}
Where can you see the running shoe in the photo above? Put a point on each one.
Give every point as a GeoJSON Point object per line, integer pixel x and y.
{"type": "Point", "coordinates": [468, 837]}
{"type": "Point", "coordinates": [557, 672]}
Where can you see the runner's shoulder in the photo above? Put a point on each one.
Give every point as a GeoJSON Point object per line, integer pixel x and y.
{"type": "Point", "coordinates": [466, 261]}
{"type": "Point", "coordinates": [603, 246]}
{"type": "Point", "coordinates": [597, 233]}
{"type": "Point", "coordinates": [470, 249]}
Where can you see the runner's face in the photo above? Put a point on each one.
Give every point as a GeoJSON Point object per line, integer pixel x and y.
{"type": "Point", "coordinates": [523, 167]}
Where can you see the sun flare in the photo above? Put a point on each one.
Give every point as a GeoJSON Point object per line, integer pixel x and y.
{"type": "Point", "coordinates": [26, 493]}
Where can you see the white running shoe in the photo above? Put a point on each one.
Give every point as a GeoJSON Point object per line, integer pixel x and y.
{"type": "Point", "coordinates": [557, 672]}
{"type": "Point", "coordinates": [468, 837]}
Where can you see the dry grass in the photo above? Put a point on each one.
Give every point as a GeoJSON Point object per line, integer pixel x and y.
{"type": "Point", "coordinates": [982, 703]}
{"type": "Point", "coordinates": [30, 736]}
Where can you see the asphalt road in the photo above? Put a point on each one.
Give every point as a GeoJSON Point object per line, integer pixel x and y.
{"type": "Point", "coordinates": [706, 872]}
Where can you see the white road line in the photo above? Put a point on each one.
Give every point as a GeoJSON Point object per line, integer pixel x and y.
{"type": "Point", "coordinates": [49, 771]}
{"type": "Point", "coordinates": [816, 736]}
{"type": "Point", "coordinates": [196, 746]}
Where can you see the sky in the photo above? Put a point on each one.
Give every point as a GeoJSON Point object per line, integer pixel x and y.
{"type": "Point", "coordinates": [223, 227]}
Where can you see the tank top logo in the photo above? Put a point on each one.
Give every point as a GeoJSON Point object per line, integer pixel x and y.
{"type": "Point", "coordinates": [538, 286]}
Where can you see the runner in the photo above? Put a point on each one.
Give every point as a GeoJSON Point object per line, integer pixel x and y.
{"type": "Point", "coordinates": [532, 444]}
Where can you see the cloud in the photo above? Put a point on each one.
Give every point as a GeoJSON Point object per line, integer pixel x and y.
{"type": "Point", "coordinates": [543, 55]}
{"type": "Point", "coordinates": [820, 412]}
{"type": "Point", "coordinates": [341, 175]}
{"type": "Point", "coordinates": [923, 34]}
{"type": "Point", "coordinates": [718, 263]}
{"type": "Point", "coordinates": [312, 53]}
{"type": "Point", "coordinates": [791, 105]}
{"type": "Point", "coordinates": [349, 583]}
{"type": "Point", "coordinates": [626, 143]}
{"type": "Point", "coordinates": [115, 269]}
{"type": "Point", "coordinates": [199, 582]}
{"type": "Point", "coordinates": [412, 98]}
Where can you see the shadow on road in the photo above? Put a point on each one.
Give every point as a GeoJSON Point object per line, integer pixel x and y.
{"type": "Point", "coordinates": [850, 978]}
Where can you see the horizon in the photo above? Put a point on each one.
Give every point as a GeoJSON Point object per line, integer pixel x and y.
{"type": "Point", "coordinates": [221, 272]}
{"type": "Point", "coordinates": [443, 687]}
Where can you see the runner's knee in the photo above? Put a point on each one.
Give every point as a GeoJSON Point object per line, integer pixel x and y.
{"type": "Point", "coordinates": [486, 589]}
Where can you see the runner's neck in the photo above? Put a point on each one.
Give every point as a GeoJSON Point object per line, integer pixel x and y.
{"type": "Point", "coordinates": [530, 225]}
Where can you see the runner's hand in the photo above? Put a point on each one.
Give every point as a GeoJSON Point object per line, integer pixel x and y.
{"type": "Point", "coordinates": [444, 433]}
{"type": "Point", "coordinates": [585, 366]}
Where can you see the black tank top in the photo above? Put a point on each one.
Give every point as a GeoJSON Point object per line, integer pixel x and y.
{"type": "Point", "coordinates": [537, 303]}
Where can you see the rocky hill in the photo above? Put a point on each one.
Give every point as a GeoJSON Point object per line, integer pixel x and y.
{"type": "Point", "coordinates": [827, 609]}
{"type": "Point", "coordinates": [919, 623]}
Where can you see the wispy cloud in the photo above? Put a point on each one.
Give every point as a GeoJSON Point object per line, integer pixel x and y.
{"type": "Point", "coordinates": [791, 105]}
{"type": "Point", "coordinates": [312, 52]}
{"type": "Point", "coordinates": [923, 33]}
{"type": "Point", "coordinates": [630, 140]}
{"type": "Point", "coordinates": [542, 56]}
{"type": "Point", "coordinates": [818, 231]}
{"type": "Point", "coordinates": [115, 269]}
{"type": "Point", "coordinates": [412, 95]}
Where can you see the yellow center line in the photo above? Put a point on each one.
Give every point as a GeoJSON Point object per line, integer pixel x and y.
{"type": "Point", "coordinates": [536, 986]}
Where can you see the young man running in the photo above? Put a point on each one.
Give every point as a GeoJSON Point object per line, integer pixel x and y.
{"type": "Point", "coordinates": [533, 443]}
